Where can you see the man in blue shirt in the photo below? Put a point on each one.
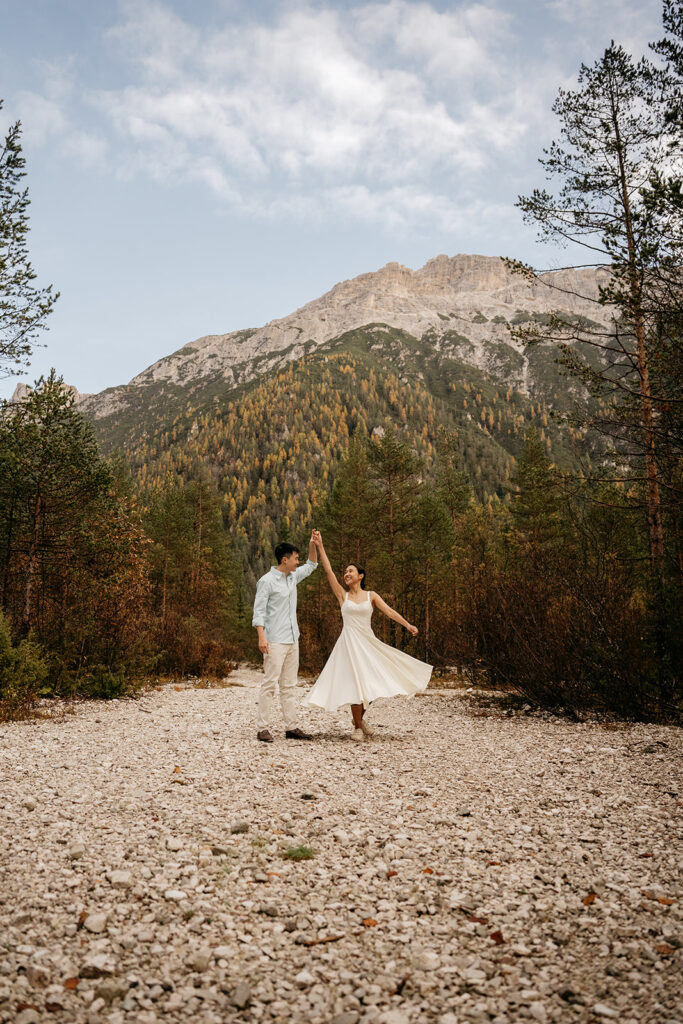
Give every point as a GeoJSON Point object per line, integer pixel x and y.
{"type": "Point", "coordinates": [278, 636]}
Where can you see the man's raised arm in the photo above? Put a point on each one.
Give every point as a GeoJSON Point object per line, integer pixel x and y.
{"type": "Point", "coordinates": [311, 565]}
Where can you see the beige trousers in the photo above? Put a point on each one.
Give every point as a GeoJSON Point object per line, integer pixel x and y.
{"type": "Point", "coordinates": [280, 665]}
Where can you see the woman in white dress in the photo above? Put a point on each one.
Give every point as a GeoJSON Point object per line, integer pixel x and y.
{"type": "Point", "coordinates": [361, 668]}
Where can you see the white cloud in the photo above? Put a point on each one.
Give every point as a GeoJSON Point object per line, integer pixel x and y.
{"type": "Point", "coordinates": [316, 108]}
{"type": "Point", "coordinates": [382, 111]}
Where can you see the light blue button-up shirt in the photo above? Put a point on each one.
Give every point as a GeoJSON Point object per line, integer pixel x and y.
{"type": "Point", "coordinates": [275, 603]}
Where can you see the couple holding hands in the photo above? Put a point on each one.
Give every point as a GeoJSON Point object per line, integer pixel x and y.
{"type": "Point", "coordinates": [360, 669]}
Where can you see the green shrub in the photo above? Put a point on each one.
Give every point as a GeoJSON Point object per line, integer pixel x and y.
{"type": "Point", "coordinates": [22, 670]}
{"type": "Point", "coordinates": [102, 683]}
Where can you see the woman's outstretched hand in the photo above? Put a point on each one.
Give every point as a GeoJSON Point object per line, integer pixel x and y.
{"type": "Point", "coordinates": [412, 630]}
{"type": "Point", "coordinates": [317, 538]}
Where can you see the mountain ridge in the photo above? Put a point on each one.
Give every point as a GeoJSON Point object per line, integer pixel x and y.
{"type": "Point", "coordinates": [463, 304]}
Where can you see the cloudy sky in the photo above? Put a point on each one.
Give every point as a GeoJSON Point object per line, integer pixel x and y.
{"type": "Point", "coordinates": [199, 166]}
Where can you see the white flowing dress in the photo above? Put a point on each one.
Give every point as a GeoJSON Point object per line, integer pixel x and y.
{"type": "Point", "coordinates": [361, 668]}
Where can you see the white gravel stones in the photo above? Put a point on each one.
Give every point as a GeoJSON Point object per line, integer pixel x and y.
{"type": "Point", "coordinates": [469, 867]}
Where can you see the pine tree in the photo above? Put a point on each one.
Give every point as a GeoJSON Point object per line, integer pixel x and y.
{"type": "Point", "coordinates": [23, 307]}
{"type": "Point", "coordinates": [50, 470]}
{"type": "Point", "coordinates": [614, 139]}
{"type": "Point", "coordinates": [196, 584]}
{"type": "Point", "coordinates": [393, 472]}
{"type": "Point", "coordinates": [72, 566]}
{"type": "Point", "coordinates": [537, 504]}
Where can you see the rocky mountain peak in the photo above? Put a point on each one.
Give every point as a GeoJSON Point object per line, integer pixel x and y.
{"type": "Point", "coordinates": [463, 302]}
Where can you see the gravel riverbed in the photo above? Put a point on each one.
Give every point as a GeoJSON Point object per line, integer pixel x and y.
{"type": "Point", "coordinates": [468, 865]}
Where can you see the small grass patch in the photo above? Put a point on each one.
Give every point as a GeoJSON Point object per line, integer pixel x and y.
{"type": "Point", "coordinates": [298, 853]}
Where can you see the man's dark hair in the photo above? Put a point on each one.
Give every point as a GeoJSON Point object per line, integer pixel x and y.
{"type": "Point", "coordinates": [283, 549]}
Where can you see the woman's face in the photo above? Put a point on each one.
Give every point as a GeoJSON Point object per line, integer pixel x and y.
{"type": "Point", "coordinates": [351, 575]}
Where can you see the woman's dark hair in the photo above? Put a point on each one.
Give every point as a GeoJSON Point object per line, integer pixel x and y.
{"type": "Point", "coordinates": [361, 572]}
{"type": "Point", "coordinates": [283, 549]}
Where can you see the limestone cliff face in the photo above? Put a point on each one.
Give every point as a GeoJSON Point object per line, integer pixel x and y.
{"type": "Point", "coordinates": [460, 303]}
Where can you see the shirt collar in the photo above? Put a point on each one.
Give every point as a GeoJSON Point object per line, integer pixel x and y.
{"type": "Point", "coordinates": [274, 569]}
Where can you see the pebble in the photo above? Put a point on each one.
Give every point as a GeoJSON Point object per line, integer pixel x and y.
{"type": "Point", "coordinates": [455, 823]}
{"type": "Point", "coordinates": [222, 952]}
{"type": "Point", "coordinates": [110, 990]}
{"type": "Point", "coordinates": [175, 895]}
{"type": "Point", "coordinates": [98, 966]}
{"type": "Point", "coordinates": [95, 922]}
{"type": "Point", "coordinates": [200, 961]}
{"type": "Point", "coordinates": [426, 960]}
{"type": "Point", "coordinates": [241, 997]}
{"type": "Point", "coordinates": [28, 1016]}
{"type": "Point", "coordinates": [121, 879]}
{"type": "Point", "coordinates": [37, 976]}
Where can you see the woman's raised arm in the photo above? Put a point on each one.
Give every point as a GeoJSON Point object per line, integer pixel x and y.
{"type": "Point", "coordinates": [335, 585]}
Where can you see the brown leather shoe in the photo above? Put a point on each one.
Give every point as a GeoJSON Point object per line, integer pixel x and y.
{"type": "Point", "coordinates": [264, 736]}
{"type": "Point", "coordinates": [297, 734]}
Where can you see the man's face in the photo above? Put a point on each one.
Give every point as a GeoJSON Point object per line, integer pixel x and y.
{"type": "Point", "coordinates": [290, 562]}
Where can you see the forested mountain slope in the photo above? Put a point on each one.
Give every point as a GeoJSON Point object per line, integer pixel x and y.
{"type": "Point", "coordinates": [273, 445]}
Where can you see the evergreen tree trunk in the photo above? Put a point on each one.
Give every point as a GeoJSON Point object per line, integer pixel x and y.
{"type": "Point", "coordinates": [654, 509]}
{"type": "Point", "coordinates": [31, 566]}
{"type": "Point", "coordinates": [8, 554]}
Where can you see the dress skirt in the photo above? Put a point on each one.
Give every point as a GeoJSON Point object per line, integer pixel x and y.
{"type": "Point", "coordinates": [361, 668]}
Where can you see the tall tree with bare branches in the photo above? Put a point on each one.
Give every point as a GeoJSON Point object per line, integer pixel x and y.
{"type": "Point", "coordinates": [615, 141]}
